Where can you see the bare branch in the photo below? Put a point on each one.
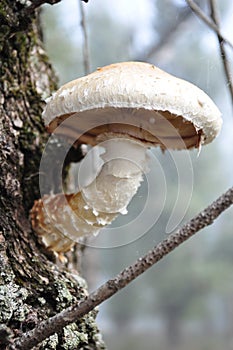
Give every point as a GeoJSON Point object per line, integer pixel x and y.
{"type": "Point", "coordinates": [56, 323]}
{"type": "Point", "coordinates": [172, 28]}
{"type": "Point", "coordinates": [37, 3]}
{"type": "Point", "coordinates": [198, 11]}
{"type": "Point", "coordinates": [86, 55]}
{"type": "Point", "coordinates": [225, 61]}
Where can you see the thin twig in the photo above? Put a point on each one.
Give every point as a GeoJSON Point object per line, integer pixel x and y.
{"type": "Point", "coordinates": [37, 3]}
{"type": "Point", "coordinates": [171, 30]}
{"type": "Point", "coordinates": [71, 314]}
{"type": "Point", "coordinates": [198, 11]}
{"type": "Point", "coordinates": [86, 55]}
{"type": "Point", "coordinates": [225, 61]}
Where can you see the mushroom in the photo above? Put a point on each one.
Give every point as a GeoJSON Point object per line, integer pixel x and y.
{"type": "Point", "coordinates": [126, 107]}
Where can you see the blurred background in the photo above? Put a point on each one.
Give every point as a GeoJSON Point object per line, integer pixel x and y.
{"type": "Point", "coordinates": [185, 301]}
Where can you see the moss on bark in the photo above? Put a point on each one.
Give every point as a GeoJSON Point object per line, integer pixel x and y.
{"type": "Point", "coordinates": [32, 287]}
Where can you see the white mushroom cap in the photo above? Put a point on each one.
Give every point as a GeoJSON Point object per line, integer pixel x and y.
{"type": "Point", "coordinates": [136, 99]}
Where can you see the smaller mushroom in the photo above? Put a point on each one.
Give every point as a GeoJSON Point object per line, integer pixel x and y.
{"type": "Point", "coordinates": [134, 106]}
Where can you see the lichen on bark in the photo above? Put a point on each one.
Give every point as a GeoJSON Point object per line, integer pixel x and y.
{"type": "Point", "coordinates": [32, 287]}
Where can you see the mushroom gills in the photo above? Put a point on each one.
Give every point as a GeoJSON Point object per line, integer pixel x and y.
{"type": "Point", "coordinates": [156, 128]}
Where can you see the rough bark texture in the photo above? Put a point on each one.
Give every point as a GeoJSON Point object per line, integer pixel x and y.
{"type": "Point", "coordinates": [32, 287]}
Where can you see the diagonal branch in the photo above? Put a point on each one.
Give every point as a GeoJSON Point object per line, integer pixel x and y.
{"type": "Point", "coordinates": [37, 3]}
{"type": "Point", "coordinates": [198, 11]}
{"type": "Point", "coordinates": [171, 30]}
{"type": "Point", "coordinates": [70, 315]}
{"type": "Point", "coordinates": [225, 61]}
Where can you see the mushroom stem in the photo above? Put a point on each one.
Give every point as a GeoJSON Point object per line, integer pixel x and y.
{"type": "Point", "coordinates": [60, 220]}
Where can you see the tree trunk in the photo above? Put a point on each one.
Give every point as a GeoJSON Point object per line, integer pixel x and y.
{"type": "Point", "coordinates": [32, 286]}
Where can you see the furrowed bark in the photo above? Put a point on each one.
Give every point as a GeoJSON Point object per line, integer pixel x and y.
{"type": "Point", "coordinates": [32, 287]}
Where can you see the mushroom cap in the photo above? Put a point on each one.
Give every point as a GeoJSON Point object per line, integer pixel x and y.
{"type": "Point", "coordinates": [135, 99]}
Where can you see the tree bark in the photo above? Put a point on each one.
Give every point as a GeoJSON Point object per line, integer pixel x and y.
{"type": "Point", "coordinates": [33, 286]}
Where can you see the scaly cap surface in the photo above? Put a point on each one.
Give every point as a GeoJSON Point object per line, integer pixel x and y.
{"type": "Point", "coordinates": [137, 99]}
